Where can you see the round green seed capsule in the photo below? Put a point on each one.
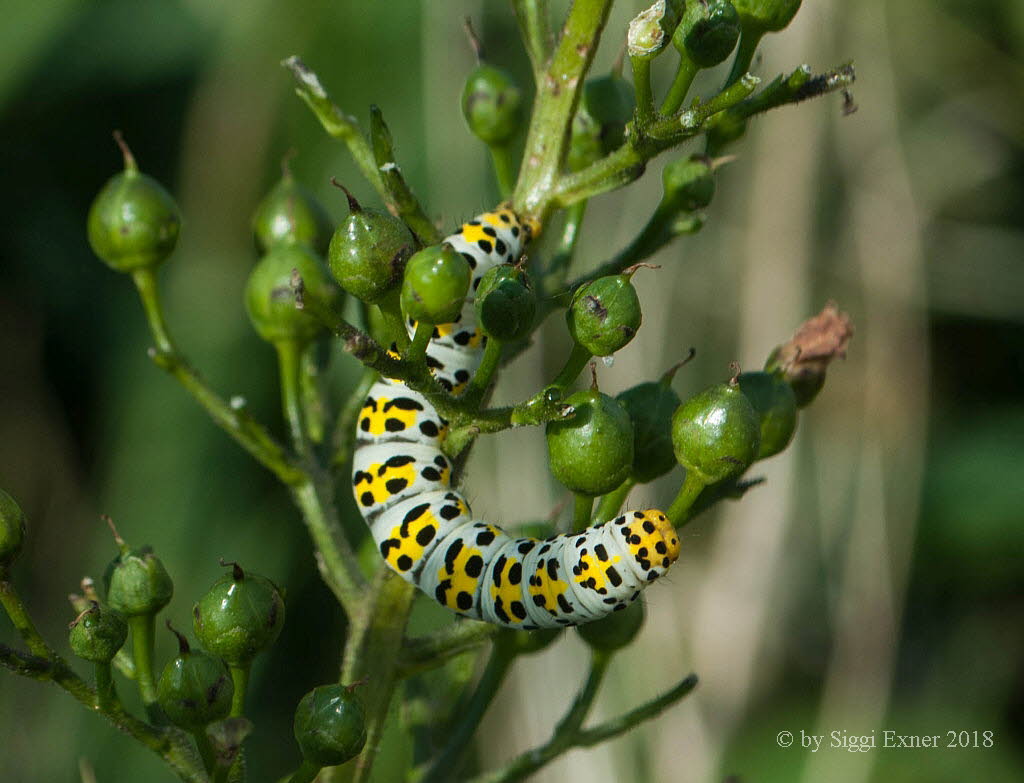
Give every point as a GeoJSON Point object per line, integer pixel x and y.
{"type": "Point", "coordinates": [492, 105]}
{"type": "Point", "coordinates": [775, 404]}
{"type": "Point", "coordinates": [368, 252]}
{"type": "Point", "coordinates": [12, 529]}
{"type": "Point", "coordinates": [716, 434]}
{"type": "Point", "coordinates": [505, 303]}
{"type": "Point", "coordinates": [708, 32]}
{"type": "Point", "coordinates": [689, 184]}
{"type": "Point", "coordinates": [604, 314]}
{"type": "Point", "coordinates": [435, 285]}
{"type": "Point", "coordinates": [330, 725]}
{"type": "Point", "coordinates": [195, 688]}
{"type": "Point", "coordinates": [133, 223]}
{"type": "Point", "coordinates": [650, 407]}
{"type": "Point", "coordinates": [97, 634]}
{"type": "Point", "coordinates": [591, 452]}
{"type": "Point", "coordinates": [606, 106]}
{"type": "Point", "coordinates": [137, 583]}
{"type": "Point", "coordinates": [241, 615]}
{"type": "Point", "coordinates": [270, 300]}
{"type": "Point", "coordinates": [290, 213]}
{"type": "Point", "coordinates": [615, 631]}
{"type": "Point", "coordinates": [767, 15]}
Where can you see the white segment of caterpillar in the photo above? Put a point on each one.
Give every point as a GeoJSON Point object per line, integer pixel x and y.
{"type": "Point", "coordinates": [423, 527]}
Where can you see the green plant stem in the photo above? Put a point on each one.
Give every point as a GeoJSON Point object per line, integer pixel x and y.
{"type": "Point", "coordinates": [20, 618]}
{"type": "Point", "coordinates": [420, 653]}
{"type": "Point", "coordinates": [236, 421]}
{"type": "Point", "coordinates": [205, 748]}
{"type": "Point", "coordinates": [574, 365]}
{"type": "Point", "coordinates": [240, 679]}
{"type": "Point", "coordinates": [561, 261]}
{"type": "Point", "coordinates": [558, 91]}
{"type": "Point", "coordinates": [688, 492]}
{"type": "Point", "coordinates": [391, 313]}
{"type": "Point", "coordinates": [306, 773]}
{"type": "Point", "coordinates": [417, 351]}
{"type": "Point", "coordinates": [289, 364]}
{"type": "Point", "coordinates": [106, 695]}
{"type": "Point", "coordinates": [446, 764]}
{"type": "Point", "coordinates": [583, 505]}
{"type": "Point", "coordinates": [535, 29]}
{"type": "Point", "coordinates": [750, 37]}
{"type": "Point", "coordinates": [142, 628]}
{"type": "Point", "coordinates": [685, 73]}
{"type": "Point", "coordinates": [504, 168]}
{"type": "Point", "coordinates": [642, 87]}
{"type": "Point", "coordinates": [481, 380]}
{"type": "Point", "coordinates": [344, 428]}
{"type": "Point", "coordinates": [608, 507]}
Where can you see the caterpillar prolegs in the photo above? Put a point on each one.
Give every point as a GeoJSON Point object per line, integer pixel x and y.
{"type": "Point", "coordinates": [423, 527]}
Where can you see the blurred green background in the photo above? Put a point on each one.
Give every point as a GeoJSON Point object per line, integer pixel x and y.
{"type": "Point", "coordinates": [875, 582]}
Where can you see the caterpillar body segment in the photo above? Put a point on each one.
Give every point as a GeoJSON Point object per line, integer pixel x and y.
{"type": "Point", "coordinates": [424, 528]}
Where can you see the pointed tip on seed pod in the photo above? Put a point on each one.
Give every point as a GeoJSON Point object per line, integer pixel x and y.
{"type": "Point", "coordinates": [183, 645]}
{"type": "Point", "coordinates": [12, 529]}
{"type": "Point", "coordinates": [804, 359]}
{"type": "Point", "coordinates": [126, 152]}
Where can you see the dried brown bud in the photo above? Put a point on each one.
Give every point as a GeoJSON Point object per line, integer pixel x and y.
{"type": "Point", "coordinates": [804, 359]}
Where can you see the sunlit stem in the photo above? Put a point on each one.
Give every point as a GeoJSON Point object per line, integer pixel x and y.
{"type": "Point", "coordinates": [692, 486]}
{"type": "Point", "coordinates": [289, 362]}
{"type": "Point", "coordinates": [240, 678]}
{"type": "Point", "coordinates": [609, 505]}
{"type": "Point", "coordinates": [573, 366]}
{"type": "Point", "coordinates": [417, 350]}
{"type": "Point", "coordinates": [582, 507]}
{"type": "Point", "coordinates": [142, 627]}
{"type": "Point", "coordinates": [680, 85]}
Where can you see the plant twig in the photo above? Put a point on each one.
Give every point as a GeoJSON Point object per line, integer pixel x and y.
{"type": "Point", "coordinates": [420, 653]}
{"type": "Point", "coordinates": [535, 28]}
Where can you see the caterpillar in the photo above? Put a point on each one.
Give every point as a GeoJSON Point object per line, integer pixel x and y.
{"type": "Point", "coordinates": [423, 527]}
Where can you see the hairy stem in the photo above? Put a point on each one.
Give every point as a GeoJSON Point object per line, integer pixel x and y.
{"type": "Point", "coordinates": [20, 618]}
{"type": "Point", "coordinates": [289, 363]}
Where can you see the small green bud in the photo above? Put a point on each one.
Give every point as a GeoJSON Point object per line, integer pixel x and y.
{"type": "Point", "coordinates": [592, 451]}
{"type": "Point", "coordinates": [330, 725]}
{"type": "Point", "coordinates": [708, 32]}
{"type": "Point", "coordinates": [651, 30]}
{"type": "Point", "coordinates": [492, 105]}
{"type": "Point", "coordinates": [368, 252]}
{"type": "Point", "coordinates": [270, 300]}
{"type": "Point", "coordinates": [650, 407]}
{"type": "Point", "coordinates": [604, 314]}
{"type": "Point", "coordinates": [12, 529]}
{"type": "Point", "coordinates": [97, 634]}
{"type": "Point", "coordinates": [137, 582]}
{"type": "Point", "coordinates": [767, 15]}
{"type": "Point", "coordinates": [435, 285]}
{"type": "Point", "coordinates": [241, 615]}
{"type": "Point", "coordinates": [716, 434]}
{"type": "Point", "coordinates": [194, 688]}
{"type": "Point", "coordinates": [290, 213]}
{"type": "Point", "coordinates": [505, 303]}
{"type": "Point", "coordinates": [606, 106]}
{"type": "Point", "coordinates": [133, 222]}
{"type": "Point", "coordinates": [615, 631]}
{"type": "Point", "coordinates": [775, 404]}
{"type": "Point", "coordinates": [689, 184]}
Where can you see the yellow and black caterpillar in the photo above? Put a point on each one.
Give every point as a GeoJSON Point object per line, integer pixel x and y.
{"type": "Point", "coordinates": [423, 527]}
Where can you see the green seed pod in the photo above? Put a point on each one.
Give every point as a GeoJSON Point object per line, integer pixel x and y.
{"type": "Point", "coordinates": [194, 688]}
{"type": "Point", "coordinates": [775, 404]}
{"type": "Point", "coordinates": [724, 129]}
{"type": "Point", "coordinates": [689, 184]}
{"type": "Point", "coordinates": [708, 32]}
{"type": "Point", "coordinates": [505, 303]}
{"type": "Point", "coordinates": [591, 452]}
{"type": "Point", "coordinates": [330, 725]}
{"type": "Point", "coordinates": [368, 252]}
{"type": "Point", "coordinates": [606, 106]}
{"type": "Point", "coordinates": [12, 529]}
{"type": "Point", "coordinates": [650, 407]}
{"type": "Point", "coordinates": [615, 631]}
{"type": "Point", "coordinates": [492, 104]}
{"type": "Point", "coordinates": [290, 213]}
{"type": "Point", "coordinates": [604, 314]}
{"type": "Point", "coordinates": [137, 582]}
{"type": "Point", "coordinates": [716, 434]}
{"type": "Point", "coordinates": [133, 223]}
{"type": "Point", "coordinates": [241, 615]}
{"type": "Point", "coordinates": [651, 30]}
{"type": "Point", "coordinates": [270, 300]}
{"type": "Point", "coordinates": [435, 285]}
{"type": "Point", "coordinates": [767, 15]}
{"type": "Point", "coordinates": [97, 634]}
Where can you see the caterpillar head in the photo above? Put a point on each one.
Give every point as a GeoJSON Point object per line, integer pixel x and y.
{"type": "Point", "coordinates": [652, 541]}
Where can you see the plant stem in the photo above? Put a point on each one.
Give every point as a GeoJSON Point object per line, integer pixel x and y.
{"type": "Point", "coordinates": [504, 168]}
{"type": "Point", "coordinates": [240, 678]}
{"type": "Point", "coordinates": [633, 718]}
{"type": "Point", "coordinates": [608, 507]}
{"type": "Point", "coordinates": [535, 28]}
{"type": "Point", "coordinates": [106, 695]}
{"type": "Point", "coordinates": [417, 351]}
{"type": "Point", "coordinates": [145, 280]}
{"type": "Point", "coordinates": [642, 87]}
{"type": "Point", "coordinates": [391, 312]}
{"type": "Point", "coordinates": [688, 492]}
{"type": "Point", "coordinates": [750, 37]}
{"type": "Point", "coordinates": [345, 425]}
{"type": "Point", "coordinates": [574, 365]}
{"type": "Point", "coordinates": [205, 748]}
{"type": "Point", "coordinates": [481, 380]}
{"type": "Point", "coordinates": [583, 505]}
{"type": "Point", "coordinates": [306, 773]}
{"type": "Point", "coordinates": [289, 364]}
{"type": "Point", "coordinates": [15, 609]}
{"type": "Point", "coordinates": [685, 73]}
{"type": "Point", "coordinates": [561, 261]}
{"type": "Point", "coordinates": [420, 653]}
{"type": "Point", "coordinates": [142, 628]}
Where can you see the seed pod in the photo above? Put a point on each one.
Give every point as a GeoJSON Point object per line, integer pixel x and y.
{"type": "Point", "coordinates": [689, 184]}
{"type": "Point", "coordinates": [492, 105]}
{"type": "Point", "coordinates": [368, 252]}
{"type": "Point", "coordinates": [194, 688]}
{"type": "Point", "coordinates": [708, 32]}
{"type": "Point", "coordinates": [137, 582]}
{"type": "Point", "coordinates": [97, 634]}
{"type": "Point", "coordinates": [133, 223]}
{"type": "Point", "coordinates": [716, 434]}
{"type": "Point", "coordinates": [723, 129]}
{"type": "Point", "coordinates": [591, 452]}
{"type": "Point", "coordinates": [767, 15]}
{"type": "Point", "coordinates": [12, 529]}
{"type": "Point", "coordinates": [435, 285]}
{"type": "Point", "coordinates": [606, 106]}
{"type": "Point", "coordinates": [330, 725]}
{"type": "Point", "coordinates": [775, 404]}
{"type": "Point", "coordinates": [650, 407]}
{"type": "Point", "coordinates": [241, 615]}
{"type": "Point", "coordinates": [615, 631]}
{"type": "Point", "coordinates": [270, 300]}
{"type": "Point", "coordinates": [288, 214]}
{"type": "Point", "coordinates": [604, 314]}
{"type": "Point", "coordinates": [651, 30]}
{"type": "Point", "coordinates": [505, 303]}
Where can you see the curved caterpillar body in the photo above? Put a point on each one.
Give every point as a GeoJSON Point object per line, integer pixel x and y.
{"type": "Point", "coordinates": [424, 528]}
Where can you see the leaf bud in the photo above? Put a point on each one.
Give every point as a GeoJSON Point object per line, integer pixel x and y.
{"type": "Point", "coordinates": [239, 616]}
{"type": "Point", "coordinates": [330, 725]}
{"type": "Point", "coordinates": [708, 32]}
{"type": "Point", "coordinates": [592, 451]}
{"type": "Point", "coordinates": [716, 434]}
{"type": "Point", "coordinates": [614, 631]}
{"type": "Point", "coordinates": [651, 30]}
{"type": "Point", "coordinates": [290, 213]}
{"type": "Point", "coordinates": [12, 529]}
{"type": "Point", "coordinates": [492, 104]}
{"type": "Point", "coordinates": [688, 184]}
{"type": "Point", "coordinates": [97, 634]}
{"type": "Point", "coordinates": [435, 285]}
{"type": "Point", "coordinates": [604, 314]}
{"type": "Point", "coordinates": [775, 404]}
{"type": "Point", "coordinates": [194, 688]}
{"type": "Point", "coordinates": [505, 303]}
